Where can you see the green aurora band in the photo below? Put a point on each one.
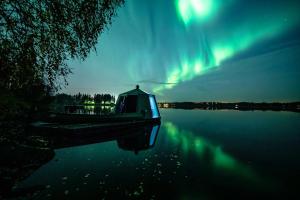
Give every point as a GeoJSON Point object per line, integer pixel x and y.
{"type": "Point", "coordinates": [237, 38]}
{"type": "Point", "coordinates": [196, 10]}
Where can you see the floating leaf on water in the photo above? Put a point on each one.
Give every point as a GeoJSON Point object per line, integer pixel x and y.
{"type": "Point", "coordinates": [159, 165]}
{"type": "Point", "coordinates": [66, 192]}
{"type": "Point", "coordinates": [87, 175]}
{"type": "Point", "coordinates": [64, 178]}
{"type": "Point", "coordinates": [48, 186]}
{"type": "Point", "coordinates": [141, 188]}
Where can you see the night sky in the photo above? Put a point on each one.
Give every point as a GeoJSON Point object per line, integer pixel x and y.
{"type": "Point", "coordinates": [197, 50]}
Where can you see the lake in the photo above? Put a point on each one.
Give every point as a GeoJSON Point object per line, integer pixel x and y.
{"type": "Point", "coordinates": [194, 154]}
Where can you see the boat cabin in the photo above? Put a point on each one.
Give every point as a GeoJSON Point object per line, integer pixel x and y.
{"type": "Point", "coordinates": [137, 103]}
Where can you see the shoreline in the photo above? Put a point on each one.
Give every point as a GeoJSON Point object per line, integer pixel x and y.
{"type": "Point", "coordinates": [241, 106]}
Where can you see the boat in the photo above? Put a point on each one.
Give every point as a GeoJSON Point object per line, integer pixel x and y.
{"type": "Point", "coordinates": [133, 108]}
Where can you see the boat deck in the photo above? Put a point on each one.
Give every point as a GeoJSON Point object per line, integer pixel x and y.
{"type": "Point", "coordinates": [85, 124]}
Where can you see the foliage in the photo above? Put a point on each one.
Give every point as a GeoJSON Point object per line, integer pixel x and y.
{"type": "Point", "coordinates": [37, 37]}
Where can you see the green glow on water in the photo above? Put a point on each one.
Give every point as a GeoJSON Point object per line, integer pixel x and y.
{"type": "Point", "coordinates": [188, 142]}
{"type": "Point", "coordinates": [172, 132]}
{"type": "Point", "coordinates": [223, 160]}
{"type": "Point", "coordinates": [199, 146]}
{"type": "Point", "coordinates": [172, 129]}
{"type": "Point", "coordinates": [185, 144]}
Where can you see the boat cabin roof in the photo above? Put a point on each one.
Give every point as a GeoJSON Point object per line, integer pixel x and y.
{"type": "Point", "coordinates": [136, 91]}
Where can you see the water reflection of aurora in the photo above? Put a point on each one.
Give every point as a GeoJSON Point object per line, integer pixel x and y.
{"type": "Point", "coordinates": [189, 143]}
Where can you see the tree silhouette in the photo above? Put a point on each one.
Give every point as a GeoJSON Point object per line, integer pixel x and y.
{"type": "Point", "coordinates": [37, 37]}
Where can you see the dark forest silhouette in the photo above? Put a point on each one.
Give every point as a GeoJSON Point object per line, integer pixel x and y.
{"type": "Point", "coordinates": [83, 99]}
{"type": "Point", "coordinates": [65, 103]}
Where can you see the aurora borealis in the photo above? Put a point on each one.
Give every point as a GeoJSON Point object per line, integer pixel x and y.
{"type": "Point", "coordinates": [202, 49]}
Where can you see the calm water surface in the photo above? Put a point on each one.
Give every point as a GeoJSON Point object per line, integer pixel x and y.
{"type": "Point", "coordinates": [196, 154]}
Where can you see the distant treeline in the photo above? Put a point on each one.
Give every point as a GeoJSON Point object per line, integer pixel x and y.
{"type": "Point", "coordinates": [80, 99]}
{"type": "Point", "coordinates": [293, 106]}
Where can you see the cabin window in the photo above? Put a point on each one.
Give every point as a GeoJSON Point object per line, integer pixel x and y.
{"type": "Point", "coordinates": [127, 104]}
{"type": "Point", "coordinates": [153, 106]}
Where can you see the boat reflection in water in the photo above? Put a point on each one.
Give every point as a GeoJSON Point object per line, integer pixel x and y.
{"type": "Point", "coordinates": [141, 140]}
{"type": "Point", "coordinates": [133, 138]}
